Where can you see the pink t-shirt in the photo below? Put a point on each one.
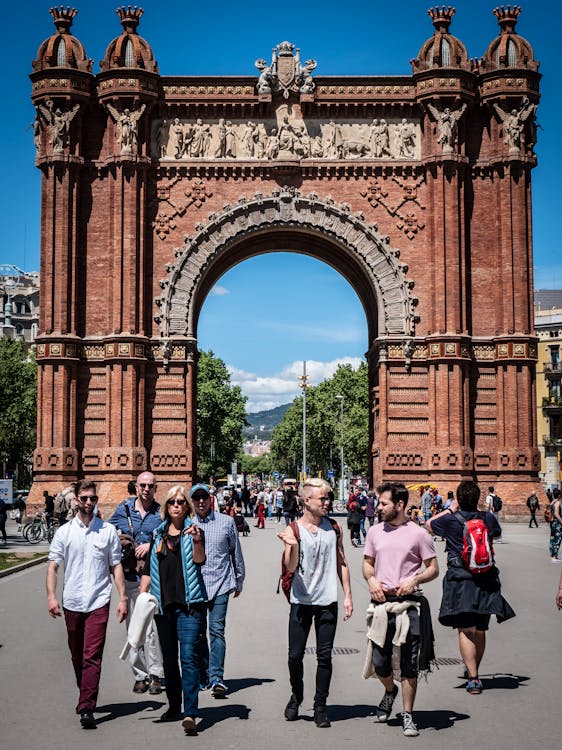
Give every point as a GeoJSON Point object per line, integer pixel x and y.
{"type": "Point", "coordinates": [398, 551]}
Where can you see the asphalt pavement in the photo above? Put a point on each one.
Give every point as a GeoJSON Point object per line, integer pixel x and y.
{"type": "Point", "coordinates": [521, 670]}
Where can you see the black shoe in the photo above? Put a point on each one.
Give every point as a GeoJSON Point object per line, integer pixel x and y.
{"type": "Point", "coordinates": [170, 715]}
{"type": "Point", "coordinates": [321, 718]}
{"type": "Point", "coordinates": [87, 720]}
{"type": "Point", "coordinates": [292, 709]}
{"type": "Point", "coordinates": [140, 686]}
{"type": "Point", "coordinates": [384, 709]}
{"type": "Point", "coordinates": [154, 686]}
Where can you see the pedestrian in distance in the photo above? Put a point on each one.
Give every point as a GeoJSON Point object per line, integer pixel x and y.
{"type": "Point", "coordinates": [317, 560]}
{"type": "Point", "coordinates": [290, 505]}
{"type": "Point", "coordinates": [394, 552]}
{"type": "Point", "coordinates": [137, 517]}
{"type": "Point", "coordinates": [90, 551]}
{"type": "Point", "coordinates": [494, 504]}
{"type": "Point", "coordinates": [3, 519]}
{"type": "Point", "coordinates": [260, 510]}
{"type": "Point", "coordinates": [555, 526]}
{"type": "Point", "coordinates": [533, 505]}
{"type": "Point", "coordinates": [470, 596]}
{"type": "Point", "coordinates": [172, 573]}
{"type": "Point", "coordinates": [223, 575]}
{"type": "Point", "coordinates": [354, 520]}
{"type": "Point", "coordinates": [371, 507]}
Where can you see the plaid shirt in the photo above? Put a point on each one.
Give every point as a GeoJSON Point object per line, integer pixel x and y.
{"type": "Point", "coordinates": [224, 570]}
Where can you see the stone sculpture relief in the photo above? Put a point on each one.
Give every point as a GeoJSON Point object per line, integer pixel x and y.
{"type": "Point", "coordinates": [59, 124]}
{"type": "Point", "coordinates": [127, 122]}
{"type": "Point", "coordinates": [447, 125]}
{"type": "Point", "coordinates": [285, 74]}
{"type": "Point", "coordinates": [285, 139]}
{"type": "Point", "coordinates": [514, 125]}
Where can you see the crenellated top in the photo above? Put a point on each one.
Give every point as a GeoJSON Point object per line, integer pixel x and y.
{"type": "Point", "coordinates": [442, 50]}
{"type": "Point", "coordinates": [129, 50]}
{"type": "Point", "coordinates": [62, 50]}
{"type": "Point", "coordinates": [508, 50]}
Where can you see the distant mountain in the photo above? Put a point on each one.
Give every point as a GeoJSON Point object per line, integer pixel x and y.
{"type": "Point", "coordinates": [262, 422]}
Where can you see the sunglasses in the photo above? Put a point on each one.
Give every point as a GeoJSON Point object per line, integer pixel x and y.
{"type": "Point", "coordinates": [85, 498]}
{"type": "Point", "coordinates": [149, 486]}
{"type": "Point", "coordinates": [180, 502]}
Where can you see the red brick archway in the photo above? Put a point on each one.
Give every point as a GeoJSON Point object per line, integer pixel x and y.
{"type": "Point", "coordinates": [153, 186]}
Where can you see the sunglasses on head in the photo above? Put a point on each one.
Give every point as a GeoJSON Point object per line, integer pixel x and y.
{"type": "Point", "coordinates": [176, 501]}
{"type": "Point", "coordinates": [85, 498]}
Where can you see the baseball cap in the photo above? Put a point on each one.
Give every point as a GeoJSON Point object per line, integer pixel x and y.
{"type": "Point", "coordinates": [200, 487]}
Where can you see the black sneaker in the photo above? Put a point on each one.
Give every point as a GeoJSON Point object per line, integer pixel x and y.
{"type": "Point", "coordinates": [384, 709]}
{"type": "Point", "coordinates": [321, 718]}
{"type": "Point", "coordinates": [170, 715]}
{"type": "Point", "coordinates": [87, 720]}
{"type": "Point", "coordinates": [292, 709]}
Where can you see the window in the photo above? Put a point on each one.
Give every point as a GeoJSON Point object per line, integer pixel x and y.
{"type": "Point", "coordinates": [129, 56]}
{"type": "Point", "coordinates": [61, 53]}
{"type": "Point", "coordinates": [511, 53]}
{"type": "Point", "coordinates": [445, 53]}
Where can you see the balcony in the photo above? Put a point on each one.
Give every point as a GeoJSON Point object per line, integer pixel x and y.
{"type": "Point", "coordinates": [555, 442]}
{"type": "Point", "coordinates": [552, 405]}
{"type": "Point", "coordinates": [552, 369]}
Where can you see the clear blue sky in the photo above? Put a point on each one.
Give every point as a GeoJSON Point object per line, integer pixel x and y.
{"type": "Point", "coordinates": [268, 328]}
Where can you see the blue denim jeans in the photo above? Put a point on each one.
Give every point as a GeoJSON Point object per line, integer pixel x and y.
{"type": "Point", "coordinates": [175, 627]}
{"type": "Point", "coordinates": [212, 664]}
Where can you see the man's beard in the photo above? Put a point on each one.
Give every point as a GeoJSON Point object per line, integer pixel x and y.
{"type": "Point", "coordinates": [390, 514]}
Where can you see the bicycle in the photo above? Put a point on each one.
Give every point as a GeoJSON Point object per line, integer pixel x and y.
{"type": "Point", "coordinates": [40, 529]}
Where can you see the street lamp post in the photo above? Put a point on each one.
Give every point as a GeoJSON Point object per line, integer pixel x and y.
{"type": "Point", "coordinates": [339, 397]}
{"type": "Point", "coordinates": [304, 384]}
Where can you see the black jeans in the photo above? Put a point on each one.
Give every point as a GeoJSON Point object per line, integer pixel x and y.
{"type": "Point", "coordinates": [300, 621]}
{"type": "Point", "coordinates": [533, 519]}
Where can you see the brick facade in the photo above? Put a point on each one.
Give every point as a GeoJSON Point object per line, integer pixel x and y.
{"type": "Point", "coordinates": [140, 220]}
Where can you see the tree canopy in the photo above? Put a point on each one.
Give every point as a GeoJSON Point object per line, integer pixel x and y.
{"type": "Point", "coordinates": [18, 406]}
{"type": "Point", "coordinates": [221, 415]}
{"type": "Point", "coordinates": [324, 426]}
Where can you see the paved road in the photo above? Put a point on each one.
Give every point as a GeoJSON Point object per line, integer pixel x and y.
{"type": "Point", "coordinates": [518, 709]}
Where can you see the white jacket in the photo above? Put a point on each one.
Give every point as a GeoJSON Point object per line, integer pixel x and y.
{"type": "Point", "coordinates": [145, 607]}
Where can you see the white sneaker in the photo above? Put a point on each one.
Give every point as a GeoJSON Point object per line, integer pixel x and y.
{"type": "Point", "coordinates": [408, 726]}
{"type": "Point", "coordinates": [555, 560]}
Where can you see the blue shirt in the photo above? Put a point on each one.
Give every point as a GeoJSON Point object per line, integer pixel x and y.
{"type": "Point", "coordinates": [142, 527]}
{"type": "Point", "coordinates": [224, 570]}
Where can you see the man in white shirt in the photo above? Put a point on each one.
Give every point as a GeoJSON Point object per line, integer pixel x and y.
{"type": "Point", "coordinates": [90, 551]}
{"type": "Point", "coordinates": [314, 554]}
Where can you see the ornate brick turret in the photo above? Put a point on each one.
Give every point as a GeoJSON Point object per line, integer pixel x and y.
{"type": "Point", "coordinates": [442, 50]}
{"type": "Point", "coordinates": [62, 50]}
{"type": "Point", "coordinates": [129, 50]}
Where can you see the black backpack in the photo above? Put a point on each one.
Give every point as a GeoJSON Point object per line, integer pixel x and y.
{"type": "Point", "coordinates": [497, 503]}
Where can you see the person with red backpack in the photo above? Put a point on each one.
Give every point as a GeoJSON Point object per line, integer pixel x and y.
{"type": "Point", "coordinates": [313, 553]}
{"type": "Point", "coordinates": [471, 586]}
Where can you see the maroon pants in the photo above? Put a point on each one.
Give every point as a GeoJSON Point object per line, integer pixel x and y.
{"type": "Point", "coordinates": [261, 517]}
{"type": "Point", "coordinates": [86, 639]}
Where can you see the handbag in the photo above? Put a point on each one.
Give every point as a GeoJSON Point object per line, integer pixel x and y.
{"type": "Point", "coordinates": [133, 563]}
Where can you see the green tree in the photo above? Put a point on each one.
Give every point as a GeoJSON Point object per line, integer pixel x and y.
{"type": "Point", "coordinates": [324, 427]}
{"type": "Point", "coordinates": [18, 407]}
{"type": "Point", "coordinates": [255, 464]}
{"type": "Point", "coordinates": [221, 415]}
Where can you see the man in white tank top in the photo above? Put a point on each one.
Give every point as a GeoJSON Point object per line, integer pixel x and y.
{"type": "Point", "coordinates": [316, 558]}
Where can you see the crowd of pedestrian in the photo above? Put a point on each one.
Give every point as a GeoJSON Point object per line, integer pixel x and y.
{"type": "Point", "coordinates": [177, 564]}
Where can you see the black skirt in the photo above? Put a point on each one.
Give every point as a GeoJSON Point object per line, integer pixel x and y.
{"type": "Point", "coordinates": [465, 593]}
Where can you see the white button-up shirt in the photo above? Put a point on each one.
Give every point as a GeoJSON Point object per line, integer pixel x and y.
{"type": "Point", "coordinates": [87, 553]}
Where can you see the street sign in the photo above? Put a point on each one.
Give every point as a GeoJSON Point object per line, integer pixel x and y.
{"type": "Point", "coordinates": [276, 475]}
{"type": "Point", "coordinates": [331, 473]}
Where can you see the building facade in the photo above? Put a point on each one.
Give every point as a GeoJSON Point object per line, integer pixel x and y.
{"type": "Point", "coordinates": [19, 304]}
{"type": "Point", "coordinates": [548, 325]}
{"type": "Point", "coordinates": [415, 188]}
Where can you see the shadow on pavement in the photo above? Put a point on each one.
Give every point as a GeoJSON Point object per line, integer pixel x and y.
{"type": "Point", "coordinates": [246, 682]}
{"type": "Point", "coordinates": [503, 681]}
{"type": "Point", "coordinates": [440, 719]}
{"type": "Point", "coordinates": [211, 716]}
{"type": "Point", "coordinates": [118, 710]}
{"type": "Point", "coordinates": [341, 713]}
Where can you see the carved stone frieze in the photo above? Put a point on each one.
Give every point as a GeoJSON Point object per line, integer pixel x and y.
{"type": "Point", "coordinates": [287, 207]}
{"type": "Point", "coordinates": [285, 73]}
{"type": "Point", "coordinates": [285, 138]}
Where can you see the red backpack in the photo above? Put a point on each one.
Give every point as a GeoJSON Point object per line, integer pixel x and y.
{"type": "Point", "coordinates": [286, 577]}
{"type": "Point", "coordinates": [477, 548]}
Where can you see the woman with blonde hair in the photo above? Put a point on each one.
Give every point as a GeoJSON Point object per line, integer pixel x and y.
{"type": "Point", "coordinates": [172, 573]}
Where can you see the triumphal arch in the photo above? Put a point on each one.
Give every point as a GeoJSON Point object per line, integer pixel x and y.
{"type": "Point", "coordinates": [415, 188]}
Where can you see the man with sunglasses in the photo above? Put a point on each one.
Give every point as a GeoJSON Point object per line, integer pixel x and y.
{"type": "Point", "coordinates": [90, 551]}
{"type": "Point", "coordinates": [314, 554]}
{"type": "Point", "coordinates": [223, 574]}
{"type": "Point", "coordinates": [138, 517]}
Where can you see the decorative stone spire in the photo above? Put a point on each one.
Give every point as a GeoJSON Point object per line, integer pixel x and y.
{"type": "Point", "coordinates": [507, 17]}
{"type": "Point", "coordinates": [441, 17]}
{"type": "Point", "coordinates": [63, 18]}
{"type": "Point", "coordinates": [130, 18]}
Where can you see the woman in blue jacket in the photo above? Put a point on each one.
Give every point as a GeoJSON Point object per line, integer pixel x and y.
{"type": "Point", "coordinates": [172, 573]}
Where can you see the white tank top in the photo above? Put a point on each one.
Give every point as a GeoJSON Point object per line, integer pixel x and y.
{"type": "Point", "coordinates": [315, 579]}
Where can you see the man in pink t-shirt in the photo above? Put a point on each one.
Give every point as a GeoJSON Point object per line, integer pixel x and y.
{"type": "Point", "coordinates": [393, 555]}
